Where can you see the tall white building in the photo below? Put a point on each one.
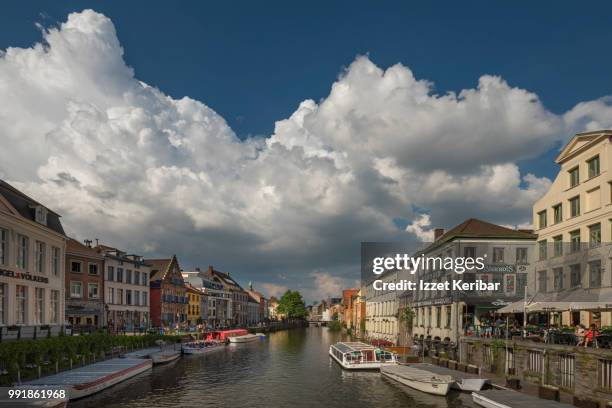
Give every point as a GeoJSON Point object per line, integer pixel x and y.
{"type": "Point", "coordinates": [32, 258]}
{"type": "Point", "coordinates": [573, 220]}
{"type": "Point", "coordinates": [126, 283]}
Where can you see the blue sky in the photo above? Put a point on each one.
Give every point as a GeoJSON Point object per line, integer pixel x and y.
{"type": "Point", "coordinates": [253, 62]}
{"type": "Point", "coordinates": [364, 150]}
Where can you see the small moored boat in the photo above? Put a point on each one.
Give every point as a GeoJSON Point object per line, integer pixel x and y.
{"type": "Point", "coordinates": [245, 338]}
{"type": "Point", "coordinates": [463, 381]}
{"type": "Point", "coordinates": [360, 356]}
{"type": "Point", "coordinates": [201, 347]}
{"type": "Point", "coordinates": [495, 398]}
{"type": "Point", "coordinates": [421, 380]}
{"type": "Point", "coordinates": [83, 381]}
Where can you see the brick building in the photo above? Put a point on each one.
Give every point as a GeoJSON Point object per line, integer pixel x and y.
{"type": "Point", "coordinates": [168, 293]}
{"type": "Point", "coordinates": [84, 285]}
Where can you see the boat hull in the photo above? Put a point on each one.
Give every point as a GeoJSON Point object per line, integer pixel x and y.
{"type": "Point", "coordinates": [420, 380]}
{"type": "Point", "coordinates": [434, 389]}
{"type": "Point", "coordinates": [78, 391]}
{"type": "Point", "coordinates": [164, 357]}
{"type": "Point", "coordinates": [244, 339]}
{"type": "Point", "coordinates": [201, 350]}
{"type": "Point", "coordinates": [485, 402]}
{"type": "Point", "coordinates": [470, 384]}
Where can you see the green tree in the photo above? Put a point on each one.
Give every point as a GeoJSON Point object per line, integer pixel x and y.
{"type": "Point", "coordinates": [291, 305]}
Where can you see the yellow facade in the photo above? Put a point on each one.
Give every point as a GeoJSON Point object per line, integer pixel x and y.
{"type": "Point", "coordinates": [577, 209]}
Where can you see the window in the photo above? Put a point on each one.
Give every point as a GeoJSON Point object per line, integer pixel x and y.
{"type": "Point", "coordinates": [594, 235]}
{"type": "Point", "coordinates": [40, 215]}
{"type": "Point", "coordinates": [75, 266]}
{"type": "Point", "coordinates": [448, 316]}
{"type": "Point", "coordinates": [110, 274]}
{"type": "Point", "coordinates": [595, 274]}
{"type": "Point", "coordinates": [39, 309]}
{"type": "Point", "coordinates": [119, 274]}
{"type": "Point", "coordinates": [128, 276]}
{"type": "Point", "coordinates": [558, 245]}
{"type": "Point", "coordinates": [136, 278]}
{"type": "Point", "coordinates": [145, 280]}
{"type": "Point", "coordinates": [542, 219]}
{"type": "Point", "coordinates": [55, 307]}
{"type": "Point", "coordinates": [3, 303]}
{"type": "Point", "coordinates": [39, 256]}
{"type": "Point", "coordinates": [542, 249]}
{"type": "Point", "coordinates": [3, 246]}
{"type": "Point", "coordinates": [438, 316]}
{"type": "Point", "coordinates": [558, 213]}
{"type": "Point", "coordinates": [20, 305]}
{"type": "Point", "coordinates": [574, 176]}
{"type": "Point", "coordinates": [23, 243]}
{"type": "Point", "coordinates": [128, 297]}
{"type": "Point", "coordinates": [93, 269]}
{"type": "Point", "coordinates": [542, 281]}
{"type": "Point", "coordinates": [136, 298]}
{"type": "Point", "coordinates": [575, 240]}
{"type": "Point", "coordinates": [119, 295]}
{"type": "Point", "coordinates": [469, 252]}
{"type": "Point", "coordinates": [558, 278]}
{"type": "Point", "coordinates": [498, 255]}
{"type": "Point", "coordinates": [593, 199]}
{"type": "Point", "coordinates": [110, 295]}
{"type": "Point", "coordinates": [92, 290]}
{"type": "Point", "coordinates": [55, 261]}
{"type": "Point", "coordinates": [76, 289]}
{"type": "Point", "coordinates": [575, 275]}
{"type": "Point", "coordinates": [593, 165]}
{"type": "Point", "coordinates": [145, 298]}
{"type": "Point", "coordinates": [521, 256]}
{"type": "Point", "coordinates": [574, 206]}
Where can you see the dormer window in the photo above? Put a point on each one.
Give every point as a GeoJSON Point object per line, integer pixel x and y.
{"type": "Point", "coordinates": [40, 215]}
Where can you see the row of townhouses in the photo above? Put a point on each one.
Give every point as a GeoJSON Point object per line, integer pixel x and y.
{"type": "Point", "coordinates": [49, 280]}
{"type": "Point", "coordinates": [560, 270]}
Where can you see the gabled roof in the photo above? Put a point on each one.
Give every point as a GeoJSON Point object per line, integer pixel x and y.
{"type": "Point", "coordinates": [161, 267]}
{"type": "Point", "coordinates": [74, 247]}
{"type": "Point", "coordinates": [25, 206]}
{"type": "Point", "coordinates": [581, 142]}
{"type": "Point", "coordinates": [475, 228]}
{"type": "Point", "coordinates": [224, 278]}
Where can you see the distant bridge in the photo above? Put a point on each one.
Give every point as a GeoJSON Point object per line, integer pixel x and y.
{"type": "Point", "coordinates": [317, 323]}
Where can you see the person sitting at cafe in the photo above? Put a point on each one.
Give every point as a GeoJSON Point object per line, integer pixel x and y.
{"type": "Point", "coordinates": [580, 332]}
{"type": "Point", "coordinates": [590, 335]}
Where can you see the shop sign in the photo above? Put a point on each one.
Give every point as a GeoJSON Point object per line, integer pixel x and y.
{"type": "Point", "coordinates": [23, 276]}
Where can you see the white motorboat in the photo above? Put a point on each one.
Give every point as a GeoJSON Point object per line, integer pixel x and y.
{"type": "Point", "coordinates": [245, 338]}
{"type": "Point", "coordinates": [503, 398]}
{"type": "Point", "coordinates": [201, 347]}
{"type": "Point", "coordinates": [164, 356]}
{"type": "Point", "coordinates": [360, 356]}
{"type": "Point", "coordinates": [421, 380]}
{"type": "Point", "coordinates": [463, 381]}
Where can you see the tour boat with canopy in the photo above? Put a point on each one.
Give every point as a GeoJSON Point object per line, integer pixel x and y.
{"type": "Point", "coordinates": [361, 356]}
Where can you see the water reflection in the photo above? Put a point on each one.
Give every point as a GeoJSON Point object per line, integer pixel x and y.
{"type": "Point", "coordinates": [290, 368]}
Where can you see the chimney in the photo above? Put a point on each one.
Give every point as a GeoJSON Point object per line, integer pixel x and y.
{"type": "Point", "coordinates": [438, 232]}
{"type": "Point", "coordinates": [210, 269]}
{"type": "Point", "coordinates": [87, 243]}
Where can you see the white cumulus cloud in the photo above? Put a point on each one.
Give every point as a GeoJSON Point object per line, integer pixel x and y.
{"type": "Point", "coordinates": [122, 161]}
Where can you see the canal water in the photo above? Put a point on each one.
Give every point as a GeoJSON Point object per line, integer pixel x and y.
{"type": "Point", "coordinates": [289, 369]}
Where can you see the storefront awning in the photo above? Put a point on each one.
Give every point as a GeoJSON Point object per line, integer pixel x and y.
{"type": "Point", "coordinates": [577, 299]}
{"type": "Point", "coordinates": [516, 307]}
